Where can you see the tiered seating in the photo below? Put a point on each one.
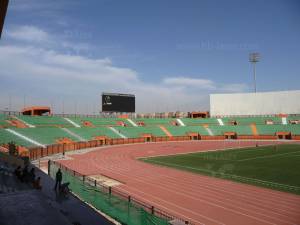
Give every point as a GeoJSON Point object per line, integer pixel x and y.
{"type": "Point", "coordinates": [272, 129]}
{"type": "Point", "coordinates": [295, 129]}
{"type": "Point", "coordinates": [45, 131]}
{"type": "Point", "coordinates": [183, 130]}
{"type": "Point", "coordinates": [201, 121]}
{"type": "Point", "coordinates": [293, 118]}
{"type": "Point", "coordinates": [100, 121]}
{"type": "Point", "coordinates": [6, 137]}
{"type": "Point", "coordinates": [45, 120]}
{"type": "Point", "coordinates": [155, 121]}
{"type": "Point", "coordinates": [251, 120]}
{"type": "Point", "coordinates": [3, 119]}
{"type": "Point", "coordinates": [133, 132]}
{"type": "Point", "coordinates": [89, 133]}
{"type": "Point", "coordinates": [45, 136]}
{"type": "Point", "coordinates": [239, 130]}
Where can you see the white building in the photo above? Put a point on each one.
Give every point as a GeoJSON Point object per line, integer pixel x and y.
{"type": "Point", "coordinates": [261, 103]}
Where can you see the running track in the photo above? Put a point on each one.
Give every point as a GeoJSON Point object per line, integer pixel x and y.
{"type": "Point", "coordinates": [199, 199]}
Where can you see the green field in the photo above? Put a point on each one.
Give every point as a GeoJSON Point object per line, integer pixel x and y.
{"type": "Point", "coordinates": [276, 167]}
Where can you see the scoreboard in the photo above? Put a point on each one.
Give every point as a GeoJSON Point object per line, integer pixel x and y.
{"type": "Point", "coordinates": [116, 102]}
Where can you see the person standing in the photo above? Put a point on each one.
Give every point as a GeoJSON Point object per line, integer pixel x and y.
{"type": "Point", "coordinates": [58, 179]}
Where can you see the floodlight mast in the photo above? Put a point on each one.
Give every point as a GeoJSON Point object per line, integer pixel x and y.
{"type": "Point", "coordinates": [254, 58]}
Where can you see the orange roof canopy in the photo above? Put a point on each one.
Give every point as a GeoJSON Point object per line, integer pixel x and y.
{"type": "Point", "coordinates": [36, 110]}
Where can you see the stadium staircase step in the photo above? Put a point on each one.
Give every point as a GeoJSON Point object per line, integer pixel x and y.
{"type": "Point", "coordinates": [22, 121]}
{"type": "Point", "coordinates": [25, 138]}
{"type": "Point", "coordinates": [132, 123]}
{"type": "Point", "coordinates": [17, 123]}
{"type": "Point", "coordinates": [284, 120]}
{"type": "Point", "coordinates": [117, 132]}
{"type": "Point", "coordinates": [78, 137]}
{"type": "Point", "coordinates": [165, 131]}
{"type": "Point", "coordinates": [220, 121]}
{"type": "Point", "coordinates": [209, 131]}
{"type": "Point", "coordinates": [254, 129]}
{"type": "Point", "coordinates": [72, 122]}
{"type": "Point", "coordinates": [180, 122]}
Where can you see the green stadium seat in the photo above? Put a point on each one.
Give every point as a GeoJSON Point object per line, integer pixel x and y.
{"type": "Point", "coordinates": [45, 120]}
{"type": "Point", "coordinates": [90, 133]}
{"type": "Point", "coordinates": [3, 120]}
{"type": "Point", "coordinates": [183, 130]}
{"type": "Point", "coordinates": [272, 129]}
{"type": "Point", "coordinates": [155, 121]}
{"type": "Point", "coordinates": [134, 132]}
{"type": "Point", "coordinates": [100, 121]}
{"type": "Point", "coordinates": [6, 137]}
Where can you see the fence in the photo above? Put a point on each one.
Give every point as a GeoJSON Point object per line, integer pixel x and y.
{"type": "Point", "coordinates": [115, 203]}
{"type": "Point", "coordinates": [39, 152]}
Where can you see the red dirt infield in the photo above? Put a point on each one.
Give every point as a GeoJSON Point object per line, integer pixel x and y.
{"type": "Point", "coordinates": [196, 198]}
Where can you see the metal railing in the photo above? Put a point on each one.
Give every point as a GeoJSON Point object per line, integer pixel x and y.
{"type": "Point", "coordinates": [118, 193]}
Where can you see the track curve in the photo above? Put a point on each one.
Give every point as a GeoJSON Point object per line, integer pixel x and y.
{"type": "Point", "coordinates": [197, 198]}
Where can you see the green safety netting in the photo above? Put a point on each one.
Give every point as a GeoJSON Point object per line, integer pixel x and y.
{"type": "Point", "coordinates": [116, 207]}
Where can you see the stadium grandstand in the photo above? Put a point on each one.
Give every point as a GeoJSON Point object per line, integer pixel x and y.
{"type": "Point", "coordinates": [30, 131]}
{"type": "Point", "coordinates": [38, 134]}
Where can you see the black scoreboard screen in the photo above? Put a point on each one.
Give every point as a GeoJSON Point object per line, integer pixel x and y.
{"type": "Point", "coordinates": [114, 102]}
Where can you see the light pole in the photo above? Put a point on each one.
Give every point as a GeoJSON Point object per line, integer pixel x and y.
{"type": "Point", "coordinates": [254, 58]}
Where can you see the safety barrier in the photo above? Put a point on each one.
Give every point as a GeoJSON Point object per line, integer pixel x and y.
{"type": "Point", "coordinates": [111, 201]}
{"type": "Point", "coordinates": [39, 152]}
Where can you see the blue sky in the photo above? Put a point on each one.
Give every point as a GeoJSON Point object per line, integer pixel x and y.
{"type": "Point", "coordinates": [171, 54]}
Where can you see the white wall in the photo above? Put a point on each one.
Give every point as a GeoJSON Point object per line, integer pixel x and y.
{"type": "Point", "coordinates": [262, 103]}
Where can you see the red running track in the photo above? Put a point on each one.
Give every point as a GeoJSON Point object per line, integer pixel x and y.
{"type": "Point", "coordinates": [197, 198]}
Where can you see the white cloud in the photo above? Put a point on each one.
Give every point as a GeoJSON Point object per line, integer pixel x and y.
{"type": "Point", "coordinates": [49, 77]}
{"type": "Point", "coordinates": [190, 82]}
{"type": "Point", "coordinates": [28, 33]}
{"type": "Point", "coordinates": [57, 76]}
{"type": "Point", "coordinates": [38, 5]}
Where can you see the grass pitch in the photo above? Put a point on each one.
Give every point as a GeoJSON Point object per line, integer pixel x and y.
{"type": "Point", "coordinates": [276, 167]}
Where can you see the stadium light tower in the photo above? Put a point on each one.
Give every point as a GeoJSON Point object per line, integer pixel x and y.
{"type": "Point", "coordinates": [254, 58]}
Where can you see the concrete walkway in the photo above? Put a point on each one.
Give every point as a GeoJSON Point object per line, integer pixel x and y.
{"type": "Point", "coordinates": [20, 205]}
{"type": "Point", "coordinates": [76, 211]}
